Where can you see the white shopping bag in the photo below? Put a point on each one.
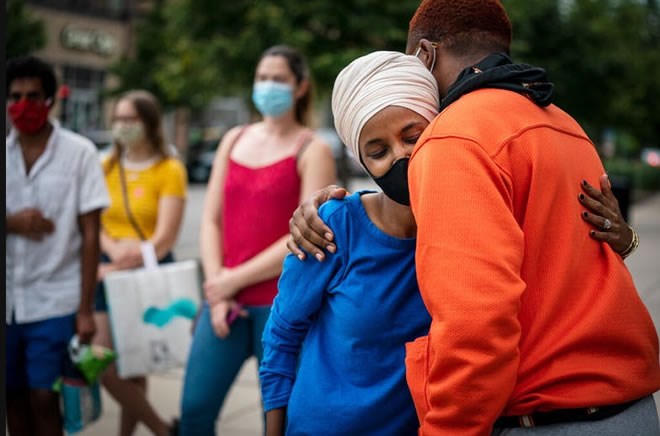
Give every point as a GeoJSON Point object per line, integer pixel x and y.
{"type": "Point", "coordinates": [151, 313]}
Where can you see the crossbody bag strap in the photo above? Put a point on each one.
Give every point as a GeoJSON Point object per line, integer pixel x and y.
{"type": "Point", "coordinates": [127, 207]}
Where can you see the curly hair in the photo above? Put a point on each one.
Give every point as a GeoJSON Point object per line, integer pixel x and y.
{"type": "Point", "coordinates": [31, 67]}
{"type": "Point", "coordinates": [463, 27]}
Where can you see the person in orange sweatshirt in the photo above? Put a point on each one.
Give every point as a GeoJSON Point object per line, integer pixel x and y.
{"type": "Point", "coordinates": [535, 328]}
{"type": "Point", "coordinates": [532, 325]}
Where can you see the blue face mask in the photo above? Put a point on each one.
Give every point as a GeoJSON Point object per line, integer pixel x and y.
{"type": "Point", "coordinates": [272, 99]}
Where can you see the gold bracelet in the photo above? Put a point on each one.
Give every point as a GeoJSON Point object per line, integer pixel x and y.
{"type": "Point", "coordinates": [633, 244]}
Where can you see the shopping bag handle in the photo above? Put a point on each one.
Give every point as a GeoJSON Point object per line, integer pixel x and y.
{"type": "Point", "coordinates": [149, 258]}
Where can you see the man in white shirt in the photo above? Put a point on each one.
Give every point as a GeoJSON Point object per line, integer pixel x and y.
{"type": "Point", "coordinates": [55, 192]}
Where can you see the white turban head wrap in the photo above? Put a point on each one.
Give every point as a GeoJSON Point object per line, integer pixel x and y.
{"type": "Point", "coordinates": [375, 81]}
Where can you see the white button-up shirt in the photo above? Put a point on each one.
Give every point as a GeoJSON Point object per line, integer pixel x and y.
{"type": "Point", "coordinates": [43, 278]}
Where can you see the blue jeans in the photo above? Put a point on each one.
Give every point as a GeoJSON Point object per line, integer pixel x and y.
{"type": "Point", "coordinates": [212, 367]}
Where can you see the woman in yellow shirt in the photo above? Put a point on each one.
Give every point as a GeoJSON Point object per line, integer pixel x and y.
{"type": "Point", "coordinates": [147, 187]}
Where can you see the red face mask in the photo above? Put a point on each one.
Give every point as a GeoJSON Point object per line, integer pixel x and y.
{"type": "Point", "coordinates": [28, 116]}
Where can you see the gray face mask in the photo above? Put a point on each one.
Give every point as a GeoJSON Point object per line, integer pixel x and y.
{"type": "Point", "coordinates": [128, 135]}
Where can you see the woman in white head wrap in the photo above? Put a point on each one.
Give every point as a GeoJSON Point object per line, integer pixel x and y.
{"type": "Point", "coordinates": [373, 82]}
{"type": "Point", "coordinates": [356, 311]}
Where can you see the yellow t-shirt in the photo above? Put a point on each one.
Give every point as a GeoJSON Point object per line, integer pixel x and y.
{"type": "Point", "coordinates": [145, 187]}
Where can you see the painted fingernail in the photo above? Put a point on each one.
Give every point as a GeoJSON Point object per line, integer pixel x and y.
{"type": "Point", "coordinates": [581, 196]}
{"type": "Point", "coordinates": [301, 257]}
{"type": "Point", "coordinates": [328, 236]}
{"type": "Point", "coordinates": [319, 257]}
{"type": "Point", "coordinates": [592, 233]}
{"type": "Point", "coordinates": [584, 214]}
{"type": "Point", "coordinates": [331, 249]}
{"type": "Point", "coordinates": [584, 183]}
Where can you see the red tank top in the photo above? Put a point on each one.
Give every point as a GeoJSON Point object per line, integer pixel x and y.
{"type": "Point", "coordinates": [258, 203]}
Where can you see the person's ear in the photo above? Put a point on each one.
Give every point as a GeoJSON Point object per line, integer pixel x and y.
{"type": "Point", "coordinates": [426, 52]}
{"type": "Point", "coordinates": [302, 89]}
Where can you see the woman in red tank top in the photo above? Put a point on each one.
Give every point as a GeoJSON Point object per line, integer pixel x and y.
{"type": "Point", "coordinates": [260, 175]}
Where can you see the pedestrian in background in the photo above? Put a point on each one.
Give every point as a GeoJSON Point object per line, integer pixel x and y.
{"type": "Point", "coordinates": [260, 174]}
{"type": "Point", "coordinates": [147, 186]}
{"type": "Point", "coordinates": [54, 196]}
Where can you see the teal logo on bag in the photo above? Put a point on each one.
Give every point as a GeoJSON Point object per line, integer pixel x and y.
{"type": "Point", "coordinates": [181, 307]}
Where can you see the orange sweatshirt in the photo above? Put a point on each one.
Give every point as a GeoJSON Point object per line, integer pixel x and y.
{"type": "Point", "coordinates": [529, 313]}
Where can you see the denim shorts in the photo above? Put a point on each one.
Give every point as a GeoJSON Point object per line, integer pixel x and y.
{"type": "Point", "coordinates": [100, 302]}
{"type": "Point", "coordinates": [37, 352]}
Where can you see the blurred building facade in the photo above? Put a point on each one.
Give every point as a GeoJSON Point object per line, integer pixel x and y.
{"type": "Point", "coordinates": [84, 38]}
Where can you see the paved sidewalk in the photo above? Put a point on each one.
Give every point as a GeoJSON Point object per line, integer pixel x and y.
{"type": "Point", "coordinates": [241, 415]}
{"type": "Point", "coordinates": [644, 263]}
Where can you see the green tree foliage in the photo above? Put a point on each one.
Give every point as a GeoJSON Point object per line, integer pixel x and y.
{"type": "Point", "coordinates": [23, 34]}
{"type": "Point", "coordinates": [139, 70]}
{"type": "Point", "coordinates": [602, 55]}
{"type": "Point", "coordinates": [190, 51]}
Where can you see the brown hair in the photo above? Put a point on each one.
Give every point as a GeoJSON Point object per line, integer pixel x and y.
{"type": "Point", "coordinates": [149, 111]}
{"type": "Point", "coordinates": [463, 27]}
{"type": "Point", "coordinates": [298, 66]}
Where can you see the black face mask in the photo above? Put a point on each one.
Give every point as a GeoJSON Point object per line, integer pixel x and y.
{"type": "Point", "coordinates": [394, 183]}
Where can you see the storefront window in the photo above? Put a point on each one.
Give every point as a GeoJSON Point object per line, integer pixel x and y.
{"type": "Point", "coordinates": [82, 110]}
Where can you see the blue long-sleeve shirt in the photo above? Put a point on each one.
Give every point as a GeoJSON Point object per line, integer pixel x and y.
{"type": "Point", "coordinates": [347, 319]}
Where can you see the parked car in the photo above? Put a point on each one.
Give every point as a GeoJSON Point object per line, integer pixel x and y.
{"type": "Point", "coordinates": [199, 160]}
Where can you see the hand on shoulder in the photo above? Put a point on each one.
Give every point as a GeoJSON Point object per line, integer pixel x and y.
{"type": "Point", "coordinates": [307, 232]}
